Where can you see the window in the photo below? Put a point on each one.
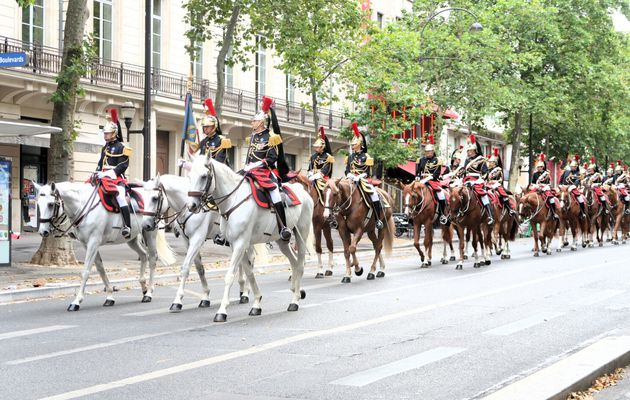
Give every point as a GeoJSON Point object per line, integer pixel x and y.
{"type": "Point", "coordinates": [103, 28]}
{"type": "Point", "coordinates": [197, 63]}
{"type": "Point", "coordinates": [290, 89]}
{"type": "Point", "coordinates": [379, 19]}
{"type": "Point", "coordinates": [33, 23]}
{"type": "Point", "coordinates": [290, 159]}
{"type": "Point", "coordinates": [261, 61]}
{"type": "Point", "coordinates": [157, 35]}
{"type": "Point", "coordinates": [229, 71]}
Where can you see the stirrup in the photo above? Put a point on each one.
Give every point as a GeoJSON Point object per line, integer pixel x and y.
{"type": "Point", "coordinates": [490, 220]}
{"type": "Point", "coordinates": [379, 224]}
{"type": "Point", "coordinates": [220, 240]}
{"type": "Point", "coordinates": [285, 234]}
{"type": "Point", "coordinates": [443, 219]}
{"type": "Point", "coordinates": [626, 211]}
{"type": "Point", "coordinates": [126, 232]}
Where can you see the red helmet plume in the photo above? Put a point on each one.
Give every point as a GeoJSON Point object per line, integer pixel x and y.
{"type": "Point", "coordinates": [322, 133]}
{"type": "Point", "coordinates": [114, 113]}
{"type": "Point", "coordinates": [496, 152]}
{"type": "Point", "coordinates": [431, 139]}
{"type": "Point", "coordinates": [209, 107]}
{"type": "Point", "coordinates": [266, 104]}
{"type": "Point", "coordinates": [577, 157]}
{"type": "Point", "coordinates": [355, 129]}
{"type": "Point", "coordinates": [593, 160]}
{"type": "Point", "coordinates": [542, 157]}
{"type": "Point", "coordinates": [472, 138]}
{"type": "Point", "coordinates": [619, 163]}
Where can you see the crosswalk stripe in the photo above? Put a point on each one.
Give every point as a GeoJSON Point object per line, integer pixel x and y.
{"type": "Point", "coordinates": [35, 331]}
{"type": "Point", "coordinates": [523, 324]}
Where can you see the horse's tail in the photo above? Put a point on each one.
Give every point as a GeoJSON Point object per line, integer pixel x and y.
{"type": "Point", "coordinates": [310, 240]}
{"type": "Point", "coordinates": [165, 253]}
{"type": "Point", "coordinates": [388, 239]}
{"type": "Point", "coordinates": [513, 230]}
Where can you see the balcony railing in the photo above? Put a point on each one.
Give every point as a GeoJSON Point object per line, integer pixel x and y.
{"type": "Point", "coordinates": [46, 61]}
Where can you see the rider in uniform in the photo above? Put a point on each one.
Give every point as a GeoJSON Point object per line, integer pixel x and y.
{"type": "Point", "coordinates": [475, 168]}
{"type": "Point", "coordinates": [621, 181]}
{"type": "Point", "coordinates": [359, 168]}
{"type": "Point", "coordinates": [542, 179]}
{"type": "Point", "coordinates": [495, 180]}
{"type": "Point", "coordinates": [113, 164]}
{"type": "Point", "coordinates": [571, 178]}
{"type": "Point", "coordinates": [428, 170]}
{"type": "Point", "coordinates": [265, 161]}
{"type": "Point", "coordinates": [321, 163]}
{"type": "Point", "coordinates": [214, 145]}
{"type": "Point", "coordinates": [594, 179]}
{"type": "Point", "coordinates": [456, 159]}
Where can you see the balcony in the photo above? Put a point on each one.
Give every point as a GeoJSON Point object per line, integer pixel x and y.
{"type": "Point", "coordinates": [46, 61]}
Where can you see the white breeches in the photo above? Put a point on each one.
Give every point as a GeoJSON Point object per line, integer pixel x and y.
{"type": "Point", "coordinates": [120, 198]}
{"type": "Point", "coordinates": [484, 200]}
{"type": "Point", "coordinates": [374, 195]}
{"type": "Point", "coordinates": [440, 195]}
{"type": "Point", "coordinates": [552, 200]}
{"type": "Point", "coordinates": [275, 196]}
{"type": "Point", "coordinates": [602, 198]}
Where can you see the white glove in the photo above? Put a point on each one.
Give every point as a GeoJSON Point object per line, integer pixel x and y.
{"type": "Point", "coordinates": [251, 166]}
{"type": "Point", "coordinates": [363, 175]}
{"type": "Point", "coordinates": [181, 163]}
{"type": "Point", "coordinates": [350, 175]}
{"type": "Point", "coordinates": [110, 173]}
{"type": "Point", "coordinates": [317, 175]}
{"type": "Point", "coordinates": [99, 174]}
{"type": "Point", "coordinates": [309, 174]}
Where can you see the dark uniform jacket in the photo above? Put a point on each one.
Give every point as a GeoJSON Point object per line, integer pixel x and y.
{"type": "Point", "coordinates": [114, 155]}
{"type": "Point", "coordinates": [262, 147]}
{"type": "Point", "coordinates": [322, 163]}
{"type": "Point", "coordinates": [541, 177]}
{"type": "Point", "coordinates": [216, 147]}
{"type": "Point", "coordinates": [431, 166]}
{"type": "Point", "coordinates": [359, 163]}
{"type": "Point", "coordinates": [476, 165]}
{"type": "Point", "coordinates": [570, 178]}
{"type": "Point", "coordinates": [495, 175]}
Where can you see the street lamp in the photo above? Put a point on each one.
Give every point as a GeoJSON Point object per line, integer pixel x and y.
{"type": "Point", "coordinates": [474, 27]}
{"type": "Point", "coordinates": [128, 111]}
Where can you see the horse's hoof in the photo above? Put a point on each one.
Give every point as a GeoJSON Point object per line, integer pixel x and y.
{"type": "Point", "coordinates": [536, 254]}
{"type": "Point", "coordinates": [573, 248]}
{"type": "Point", "coordinates": [548, 252]}
{"type": "Point", "coordinates": [465, 256]}
{"type": "Point", "coordinates": [243, 300]}
{"type": "Point", "coordinates": [370, 276]}
{"type": "Point", "coordinates": [302, 294]}
{"type": "Point", "coordinates": [452, 258]}
{"type": "Point", "coordinates": [565, 244]}
{"type": "Point", "coordinates": [459, 266]}
{"type": "Point", "coordinates": [429, 263]}
{"type": "Point", "coordinates": [503, 256]}
{"type": "Point", "coordinates": [254, 312]}
{"type": "Point", "coordinates": [289, 278]}
{"type": "Point", "coordinates": [293, 307]}
{"type": "Point", "coordinates": [345, 279]}
{"type": "Point", "coordinates": [508, 256]}
{"type": "Point", "coordinates": [146, 299]}
{"type": "Point", "coordinates": [74, 307]}
{"type": "Point", "coordinates": [488, 262]}
{"type": "Point", "coordinates": [220, 318]}
{"type": "Point", "coordinates": [108, 303]}
{"type": "Point", "coordinates": [624, 242]}
{"type": "Point", "coordinates": [498, 252]}
{"type": "Point", "coordinates": [476, 265]}
{"type": "Point", "coordinates": [380, 274]}
{"type": "Point", "coordinates": [616, 243]}
{"type": "Point", "coordinates": [328, 273]}
{"type": "Point", "coordinates": [601, 244]}
{"type": "Point", "coordinates": [424, 264]}
{"type": "Point", "coordinates": [558, 250]}
{"type": "Point", "coordinates": [608, 240]}
{"type": "Point", "coordinates": [175, 308]}
{"type": "Point", "coordinates": [319, 276]}
{"type": "Point", "coordinates": [444, 261]}
{"type": "Point", "coordinates": [359, 272]}
{"type": "Point", "coordinates": [204, 304]}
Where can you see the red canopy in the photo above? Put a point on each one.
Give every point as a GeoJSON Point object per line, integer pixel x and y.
{"type": "Point", "coordinates": [450, 114]}
{"type": "Point", "coordinates": [409, 167]}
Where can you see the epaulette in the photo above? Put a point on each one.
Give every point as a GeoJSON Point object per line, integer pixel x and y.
{"type": "Point", "coordinates": [225, 143]}
{"type": "Point", "coordinates": [369, 161]}
{"type": "Point", "coordinates": [274, 140]}
{"type": "Point", "coordinates": [345, 160]}
{"type": "Point", "coordinates": [248, 140]}
{"type": "Point", "coordinates": [330, 159]}
{"type": "Point", "coordinates": [127, 151]}
{"type": "Point", "coordinates": [440, 161]}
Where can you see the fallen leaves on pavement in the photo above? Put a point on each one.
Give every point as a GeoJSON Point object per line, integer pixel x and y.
{"type": "Point", "coordinates": [600, 383]}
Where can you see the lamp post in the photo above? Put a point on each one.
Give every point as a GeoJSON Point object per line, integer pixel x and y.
{"type": "Point", "coordinates": [146, 129]}
{"type": "Point", "coordinates": [128, 111]}
{"type": "Point", "coordinates": [474, 27]}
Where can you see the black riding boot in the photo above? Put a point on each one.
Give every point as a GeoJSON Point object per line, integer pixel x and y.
{"type": "Point", "coordinates": [552, 208]}
{"type": "Point", "coordinates": [126, 229]}
{"type": "Point", "coordinates": [626, 208]}
{"type": "Point", "coordinates": [489, 211]}
{"type": "Point", "coordinates": [220, 240]}
{"type": "Point", "coordinates": [285, 233]}
{"type": "Point", "coordinates": [508, 206]}
{"type": "Point", "coordinates": [582, 210]}
{"type": "Point", "coordinates": [378, 213]}
{"type": "Point", "coordinates": [441, 207]}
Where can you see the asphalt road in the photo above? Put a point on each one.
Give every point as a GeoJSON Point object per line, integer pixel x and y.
{"type": "Point", "coordinates": [432, 333]}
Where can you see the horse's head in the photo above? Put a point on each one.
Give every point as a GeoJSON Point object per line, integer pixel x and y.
{"type": "Point", "coordinates": [528, 204]}
{"type": "Point", "coordinates": [331, 196]}
{"type": "Point", "coordinates": [201, 182]}
{"type": "Point", "coordinates": [155, 203]}
{"type": "Point", "coordinates": [457, 199]}
{"type": "Point", "coordinates": [49, 207]}
{"type": "Point", "coordinates": [411, 196]}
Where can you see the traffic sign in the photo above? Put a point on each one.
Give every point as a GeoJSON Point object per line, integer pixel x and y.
{"type": "Point", "coordinates": [13, 59]}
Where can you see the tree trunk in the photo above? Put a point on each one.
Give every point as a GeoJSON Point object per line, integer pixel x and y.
{"type": "Point", "coordinates": [516, 150]}
{"type": "Point", "coordinates": [59, 251]}
{"type": "Point", "coordinates": [228, 38]}
{"type": "Point", "coordinates": [315, 106]}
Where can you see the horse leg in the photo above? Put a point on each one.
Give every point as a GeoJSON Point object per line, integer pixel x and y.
{"type": "Point", "coordinates": [147, 254]}
{"type": "Point", "coordinates": [194, 244]}
{"type": "Point", "coordinates": [247, 268]}
{"type": "Point", "coordinates": [329, 245]}
{"type": "Point", "coordinates": [488, 241]}
{"type": "Point", "coordinates": [475, 244]}
{"type": "Point", "coordinates": [238, 252]}
{"type": "Point", "coordinates": [416, 241]}
{"type": "Point", "coordinates": [201, 271]}
{"type": "Point", "coordinates": [462, 244]}
{"type": "Point", "coordinates": [428, 244]}
{"type": "Point", "coordinates": [535, 235]}
{"type": "Point", "coordinates": [358, 270]}
{"type": "Point", "coordinates": [297, 270]}
{"type": "Point", "coordinates": [318, 250]}
{"type": "Point", "coordinates": [345, 238]}
{"type": "Point", "coordinates": [377, 243]}
{"type": "Point", "coordinates": [109, 300]}
{"type": "Point", "coordinates": [91, 250]}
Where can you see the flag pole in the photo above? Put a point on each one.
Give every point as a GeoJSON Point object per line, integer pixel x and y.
{"type": "Point", "coordinates": [189, 85]}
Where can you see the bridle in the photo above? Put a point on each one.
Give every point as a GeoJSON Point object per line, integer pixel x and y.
{"type": "Point", "coordinates": [539, 207]}
{"type": "Point", "coordinates": [158, 215]}
{"type": "Point", "coordinates": [461, 212]}
{"type": "Point", "coordinates": [414, 211]}
{"type": "Point", "coordinates": [58, 218]}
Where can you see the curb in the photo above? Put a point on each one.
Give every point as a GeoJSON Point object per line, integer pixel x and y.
{"type": "Point", "coordinates": [52, 290]}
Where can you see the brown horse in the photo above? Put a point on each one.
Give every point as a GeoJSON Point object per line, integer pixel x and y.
{"type": "Point", "coordinates": [617, 214]}
{"type": "Point", "coordinates": [344, 202]}
{"type": "Point", "coordinates": [320, 226]}
{"type": "Point", "coordinates": [420, 208]}
{"type": "Point", "coordinates": [532, 207]}
{"type": "Point", "coordinates": [505, 229]}
{"type": "Point", "coordinates": [570, 217]}
{"type": "Point", "coordinates": [598, 219]}
{"type": "Point", "coordinates": [466, 213]}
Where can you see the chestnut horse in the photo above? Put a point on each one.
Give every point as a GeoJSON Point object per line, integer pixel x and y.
{"type": "Point", "coordinates": [344, 202]}
{"type": "Point", "coordinates": [617, 215]}
{"type": "Point", "coordinates": [570, 217]}
{"type": "Point", "coordinates": [420, 208]}
{"type": "Point", "coordinates": [466, 213]}
{"type": "Point", "coordinates": [505, 229]}
{"type": "Point", "coordinates": [532, 207]}
{"type": "Point", "coordinates": [320, 226]}
{"type": "Point", "coordinates": [598, 219]}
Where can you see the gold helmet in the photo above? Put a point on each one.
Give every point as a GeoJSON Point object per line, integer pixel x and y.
{"type": "Point", "coordinates": [494, 158]}
{"type": "Point", "coordinates": [473, 144]}
{"type": "Point", "coordinates": [611, 169]}
{"type": "Point", "coordinates": [541, 160]}
{"type": "Point", "coordinates": [358, 137]}
{"type": "Point", "coordinates": [575, 161]}
{"type": "Point", "coordinates": [430, 146]}
{"type": "Point", "coordinates": [208, 120]}
{"type": "Point", "coordinates": [618, 168]}
{"type": "Point", "coordinates": [593, 164]}
{"type": "Point", "coordinates": [110, 125]}
{"type": "Point", "coordinates": [264, 113]}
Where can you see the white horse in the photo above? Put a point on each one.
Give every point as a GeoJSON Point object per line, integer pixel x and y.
{"type": "Point", "coordinates": [171, 191]}
{"type": "Point", "coordinates": [244, 223]}
{"type": "Point", "coordinates": [94, 226]}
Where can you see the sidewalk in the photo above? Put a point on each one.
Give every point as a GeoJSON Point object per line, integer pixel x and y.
{"type": "Point", "coordinates": [122, 265]}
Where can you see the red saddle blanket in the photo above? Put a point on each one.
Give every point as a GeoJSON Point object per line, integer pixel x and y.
{"type": "Point", "coordinates": [436, 186]}
{"type": "Point", "coordinates": [623, 192]}
{"type": "Point", "coordinates": [495, 197]}
{"type": "Point", "coordinates": [107, 192]}
{"type": "Point", "coordinates": [599, 193]}
{"type": "Point", "coordinates": [263, 200]}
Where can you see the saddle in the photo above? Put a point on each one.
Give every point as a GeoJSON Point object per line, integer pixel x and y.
{"type": "Point", "coordinates": [262, 199]}
{"type": "Point", "coordinates": [600, 193]}
{"type": "Point", "coordinates": [366, 191]}
{"type": "Point", "coordinates": [319, 185]}
{"type": "Point", "coordinates": [107, 192]}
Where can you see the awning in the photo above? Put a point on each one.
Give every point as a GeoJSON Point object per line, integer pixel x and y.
{"type": "Point", "coordinates": [450, 114]}
{"type": "Point", "coordinates": [409, 167]}
{"type": "Point", "coordinates": [20, 129]}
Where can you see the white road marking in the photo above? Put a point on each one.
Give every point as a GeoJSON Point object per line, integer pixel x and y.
{"type": "Point", "coordinates": [600, 296]}
{"type": "Point", "coordinates": [523, 324]}
{"type": "Point", "coordinates": [366, 377]}
{"type": "Point", "coordinates": [35, 331]}
{"type": "Point", "coordinates": [550, 381]}
{"type": "Point", "coordinates": [312, 335]}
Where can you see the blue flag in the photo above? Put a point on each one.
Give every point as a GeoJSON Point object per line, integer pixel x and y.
{"type": "Point", "coordinates": [189, 133]}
